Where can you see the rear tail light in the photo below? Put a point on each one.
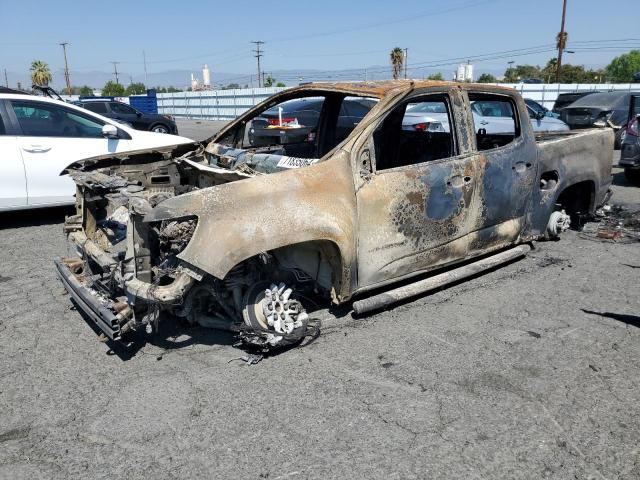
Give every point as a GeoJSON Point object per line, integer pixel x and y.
{"type": "Point", "coordinates": [632, 129]}
{"type": "Point", "coordinates": [285, 120]}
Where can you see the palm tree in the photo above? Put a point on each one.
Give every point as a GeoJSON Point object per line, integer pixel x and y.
{"type": "Point", "coordinates": [397, 61]}
{"type": "Point", "coordinates": [40, 73]}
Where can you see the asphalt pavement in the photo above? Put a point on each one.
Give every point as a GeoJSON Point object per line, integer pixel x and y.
{"type": "Point", "coordinates": [527, 372]}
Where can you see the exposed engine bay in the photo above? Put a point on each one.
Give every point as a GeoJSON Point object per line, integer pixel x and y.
{"type": "Point", "coordinates": [133, 264]}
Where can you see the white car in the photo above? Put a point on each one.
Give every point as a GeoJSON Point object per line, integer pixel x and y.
{"type": "Point", "coordinates": [40, 136]}
{"type": "Point", "coordinates": [494, 117]}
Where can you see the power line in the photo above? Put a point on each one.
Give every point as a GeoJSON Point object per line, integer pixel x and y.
{"type": "Point", "coordinates": [67, 79]}
{"type": "Point", "coordinates": [258, 53]}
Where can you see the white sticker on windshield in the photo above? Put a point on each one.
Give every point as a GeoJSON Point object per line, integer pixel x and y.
{"type": "Point", "coordinates": [295, 162]}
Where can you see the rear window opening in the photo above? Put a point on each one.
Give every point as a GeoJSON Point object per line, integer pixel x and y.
{"type": "Point", "coordinates": [495, 120]}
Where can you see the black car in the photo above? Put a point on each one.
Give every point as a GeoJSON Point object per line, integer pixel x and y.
{"type": "Point", "coordinates": [565, 99]}
{"type": "Point", "coordinates": [604, 109]}
{"type": "Point", "coordinates": [296, 122]}
{"type": "Point", "coordinates": [128, 115]}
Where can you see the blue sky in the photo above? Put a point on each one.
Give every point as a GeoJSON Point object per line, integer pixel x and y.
{"type": "Point", "coordinates": [325, 35]}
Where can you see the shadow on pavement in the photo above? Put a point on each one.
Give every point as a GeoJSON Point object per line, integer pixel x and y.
{"type": "Point", "coordinates": [35, 217]}
{"type": "Point", "coordinates": [172, 335]}
{"type": "Point", "coordinates": [633, 320]}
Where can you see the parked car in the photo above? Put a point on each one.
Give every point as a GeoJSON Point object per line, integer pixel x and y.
{"type": "Point", "coordinates": [491, 116]}
{"type": "Point", "coordinates": [128, 115]}
{"type": "Point", "coordinates": [540, 109]}
{"type": "Point", "coordinates": [296, 122]}
{"type": "Point", "coordinates": [605, 109]}
{"type": "Point", "coordinates": [565, 99]}
{"type": "Point", "coordinates": [39, 136]}
{"type": "Point", "coordinates": [630, 154]}
{"type": "Point", "coordinates": [248, 238]}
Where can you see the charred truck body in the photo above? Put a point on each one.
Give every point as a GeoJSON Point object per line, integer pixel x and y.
{"type": "Point", "coordinates": [225, 232]}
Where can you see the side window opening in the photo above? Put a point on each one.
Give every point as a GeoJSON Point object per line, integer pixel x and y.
{"type": "Point", "coordinates": [495, 120]}
{"type": "Point", "coordinates": [417, 131]}
{"type": "Point", "coordinates": [352, 111]}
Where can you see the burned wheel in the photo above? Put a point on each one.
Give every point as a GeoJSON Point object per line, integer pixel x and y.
{"type": "Point", "coordinates": [270, 307]}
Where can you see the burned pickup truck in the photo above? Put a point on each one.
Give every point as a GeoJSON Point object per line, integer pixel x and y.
{"type": "Point", "coordinates": [228, 233]}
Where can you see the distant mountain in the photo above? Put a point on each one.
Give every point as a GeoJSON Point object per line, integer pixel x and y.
{"type": "Point", "coordinates": [182, 78]}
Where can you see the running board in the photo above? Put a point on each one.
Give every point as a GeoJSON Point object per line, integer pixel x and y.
{"type": "Point", "coordinates": [385, 299]}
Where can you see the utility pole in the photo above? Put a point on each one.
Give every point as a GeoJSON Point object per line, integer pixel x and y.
{"type": "Point", "coordinates": [66, 67]}
{"type": "Point", "coordinates": [561, 44]}
{"type": "Point", "coordinates": [6, 79]}
{"type": "Point", "coordinates": [258, 53]}
{"type": "Point", "coordinates": [406, 56]}
{"type": "Point", "coordinates": [115, 70]}
{"type": "Point", "coordinates": [144, 60]}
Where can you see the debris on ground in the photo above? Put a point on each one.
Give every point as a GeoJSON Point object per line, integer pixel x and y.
{"type": "Point", "coordinates": [267, 342]}
{"type": "Point", "coordinates": [616, 223]}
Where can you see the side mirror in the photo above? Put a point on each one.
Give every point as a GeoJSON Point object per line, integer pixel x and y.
{"type": "Point", "coordinates": [139, 114]}
{"type": "Point", "coordinates": [109, 131]}
{"type": "Point", "coordinates": [540, 115]}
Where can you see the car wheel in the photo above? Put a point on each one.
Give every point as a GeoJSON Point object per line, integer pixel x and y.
{"type": "Point", "coordinates": [619, 138]}
{"type": "Point", "coordinates": [160, 128]}
{"type": "Point", "coordinates": [632, 175]}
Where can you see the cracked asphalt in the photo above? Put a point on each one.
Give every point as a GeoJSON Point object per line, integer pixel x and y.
{"type": "Point", "coordinates": [527, 372]}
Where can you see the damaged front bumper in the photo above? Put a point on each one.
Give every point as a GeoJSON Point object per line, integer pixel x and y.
{"type": "Point", "coordinates": [94, 292]}
{"type": "Point", "coordinates": [99, 310]}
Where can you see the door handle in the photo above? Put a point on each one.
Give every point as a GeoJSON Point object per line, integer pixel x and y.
{"type": "Point", "coordinates": [484, 122]}
{"type": "Point", "coordinates": [36, 148]}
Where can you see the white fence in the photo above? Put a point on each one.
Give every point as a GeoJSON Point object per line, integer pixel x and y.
{"type": "Point", "coordinates": [228, 104]}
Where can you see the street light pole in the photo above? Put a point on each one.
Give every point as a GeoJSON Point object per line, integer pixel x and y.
{"type": "Point", "coordinates": [561, 44]}
{"type": "Point", "coordinates": [406, 57]}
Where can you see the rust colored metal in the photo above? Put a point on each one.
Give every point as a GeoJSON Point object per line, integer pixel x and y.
{"type": "Point", "coordinates": [337, 221]}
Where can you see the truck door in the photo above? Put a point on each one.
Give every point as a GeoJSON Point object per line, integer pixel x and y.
{"type": "Point", "coordinates": [417, 207]}
{"type": "Point", "coordinates": [507, 171]}
{"type": "Point", "coordinates": [13, 183]}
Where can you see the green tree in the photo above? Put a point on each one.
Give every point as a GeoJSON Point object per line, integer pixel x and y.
{"type": "Point", "coordinates": [571, 73]}
{"type": "Point", "coordinates": [280, 84]}
{"type": "Point", "coordinates": [622, 68]}
{"type": "Point", "coordinates": [487, 78]}
{"type": "Point", "coordinates": [520, 72]}
{"type": "Point", "coordinates": [135, 89]}
{"type": "Point", "coordinates": [40, 73]}
{"type": "Point", "coordinates": [113, 89]}
{"type": "Point", "coordinates": [269, 81]}
{"type": "Point", "coordinates": [435, 76]}
{"type": "Point", "coordinates": [397, 61]}
{"type": "Point", "coordinates": [86, 91]}
{"type": "Point", "coordinates": [172, 89]}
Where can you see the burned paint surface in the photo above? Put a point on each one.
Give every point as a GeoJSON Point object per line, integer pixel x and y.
{"type": "Point", "coordinates": [384, 225]}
